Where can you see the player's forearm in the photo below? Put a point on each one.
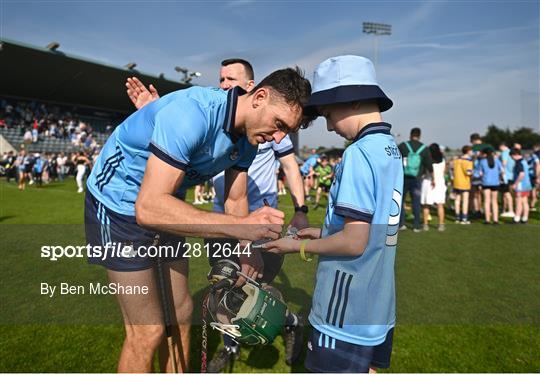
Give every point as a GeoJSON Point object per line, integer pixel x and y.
{"type": "Point", "coordinates": [342, 243]}
{"type": "Point", "coordinates": [237, 207]}
{"type": "Point", "coordinates": [166, 213]}
{"type": "Point", "coordinates": [296, 185]}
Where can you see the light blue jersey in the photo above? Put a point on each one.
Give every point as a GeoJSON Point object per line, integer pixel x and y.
{"type": "Point", "coordinates": [354, 297]}
{"type": "Point", "coordinates": [509, 165]}
{"type": "Point", "coordinates": [192, 130]}
{"type": "Point", "coordinates": [525, 185]}
{"type": "Point", "coordinates": [310, 162]}
{"type": "Point", "coordinates": [490, 176]}
{"type": "Point", "coordinates": [262, 179]}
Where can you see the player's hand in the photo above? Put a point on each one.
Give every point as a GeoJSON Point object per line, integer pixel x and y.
{"type": "Point", "coordinates": [282, 246]}
{"type": "Point", "coordinates": [139, 94]}
{"type": "Point", "coordinates": [251, 265]}
{"type": "Point", "coordinates": [309, 233]}
{"type": "Point", "coordinates": [263, 223]}
{"type": "Point", "coordinates": [299, 220]}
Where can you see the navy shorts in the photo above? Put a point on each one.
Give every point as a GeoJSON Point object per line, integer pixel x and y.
{"type": "Point", "coordinates": [133, 247]}
{"type": "Point", "coordinates": [328, 355]}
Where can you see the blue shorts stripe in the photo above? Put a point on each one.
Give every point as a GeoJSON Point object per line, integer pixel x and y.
{"type": "Point", "coordinates": [100, 219]}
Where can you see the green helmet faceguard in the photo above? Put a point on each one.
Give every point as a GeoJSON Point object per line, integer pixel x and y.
{"type": "Point", "coordinates": [248, 314]}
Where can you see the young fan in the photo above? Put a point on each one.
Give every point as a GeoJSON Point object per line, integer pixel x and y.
{"type": "Point", "coordinates": [353, 309]}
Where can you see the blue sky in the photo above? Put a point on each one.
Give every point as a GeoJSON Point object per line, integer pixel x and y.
{"type": "Point", "coordinates": [451, 67]}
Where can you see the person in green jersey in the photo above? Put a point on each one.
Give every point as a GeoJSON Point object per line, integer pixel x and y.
{"type": "Point", "coordinates": [325, 173]}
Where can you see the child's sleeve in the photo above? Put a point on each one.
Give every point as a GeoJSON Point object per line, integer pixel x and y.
{"type": "Point", "coordinates": [356, 194]}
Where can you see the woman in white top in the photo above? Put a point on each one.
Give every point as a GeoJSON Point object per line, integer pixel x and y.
{"type": "Point", "coordinates": [434, 188]}
{"type": "Point", "coordinates": [82, 162]}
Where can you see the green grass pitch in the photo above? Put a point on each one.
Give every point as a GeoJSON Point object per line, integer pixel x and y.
{"type": "Point", "coordinates": [467, 298]}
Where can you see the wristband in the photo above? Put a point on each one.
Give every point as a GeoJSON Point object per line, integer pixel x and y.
{"type": "Point", "coordinates": [303, 244]}
{"type": "Point", "coordinates": [303, 209]}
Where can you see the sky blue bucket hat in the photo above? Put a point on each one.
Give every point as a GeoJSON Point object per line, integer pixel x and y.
{"type": "Point", "coordinates": [344, 79]}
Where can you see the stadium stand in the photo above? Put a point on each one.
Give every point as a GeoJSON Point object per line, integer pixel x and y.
{"type": "Point", "coordinates": [51, 91]}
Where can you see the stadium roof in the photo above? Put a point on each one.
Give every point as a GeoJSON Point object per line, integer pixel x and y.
{"type": "Point", "coordinates": [41, 74]}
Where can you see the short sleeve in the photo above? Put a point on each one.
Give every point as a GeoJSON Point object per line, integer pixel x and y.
{"type": "Point", "coordinates": [284, 148]}
{"type": "Point", "coordinates": [179, 130]}
{"type": "Point", "coordinates": [356, 194]}
{"type": "Point", "coordinates": [246, 160]}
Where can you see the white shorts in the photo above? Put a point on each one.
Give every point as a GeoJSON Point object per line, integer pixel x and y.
{"type": "Point", "coordinates": [432, 195]}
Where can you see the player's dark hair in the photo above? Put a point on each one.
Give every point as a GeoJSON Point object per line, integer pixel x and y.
{"type": "Point", "coordinates": [247, 66]}
{"type": "Point", "coordinates": [416, 132]}
{"type": "Point", "coordinates": [292, 86]}
{"type": "Point", "coordinates": [475, 137]}
{"type": "Point", "coordinates": [490, 157]}
{"type": "Point", "coordinates": [436, 154]}
{"type": "Point", "coordinates": [466, 149]}
{"type": "Point", "coordinates": [515, 151]}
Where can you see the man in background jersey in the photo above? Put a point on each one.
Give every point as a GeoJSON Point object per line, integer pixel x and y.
{"type": "Point", "coordinates": [508, 180]}
{"type": "Point", "coordinates": [414, 149]}
{"type": "Point", "coordinates": [308, 172]}
{"type": "Point", "coordinates": [136, 188]}
{"type": "Point", "coordinates": [522, 186]}
{"type": "Point", "coordinates": [262, 187]}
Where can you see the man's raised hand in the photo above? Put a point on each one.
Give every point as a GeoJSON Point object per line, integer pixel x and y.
{"type": "Point", "coordinates": [139, 94]}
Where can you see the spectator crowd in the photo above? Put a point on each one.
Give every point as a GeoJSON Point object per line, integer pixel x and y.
{"type": "Point", "coordinates": [480, 183]}
{"type": "Point", "coordinates": [38, 121]}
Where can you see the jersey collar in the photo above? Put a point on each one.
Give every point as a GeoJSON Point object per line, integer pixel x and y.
{"type": "Point", "coordinates": [373, 128]}
{"type": "Point", "coordinates": [232, 100]}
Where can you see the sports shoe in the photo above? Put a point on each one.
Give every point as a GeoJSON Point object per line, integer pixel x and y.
{"type": "Point", "coordinates": [80, 190]}
{"type": "Point", "coordinates": [441, 227]}
{"type": "Point", "coordinates": [417, 230]}
{"type": "Point", "coordinates": [465, 222]}
{"type": "Point", "coordinates": [294, 341]}
{"type": "Point", "coordinates": [223, 358]}
{"type": "Point", "coordinates": [507, 214]}
{"type": "Point", "coordinates": [402, 228]}
{"type": "Point", "coordinates": [425, 227]}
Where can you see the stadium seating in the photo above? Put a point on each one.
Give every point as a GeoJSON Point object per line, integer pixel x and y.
{"type": "Point", "coordinates": [45, 144]}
